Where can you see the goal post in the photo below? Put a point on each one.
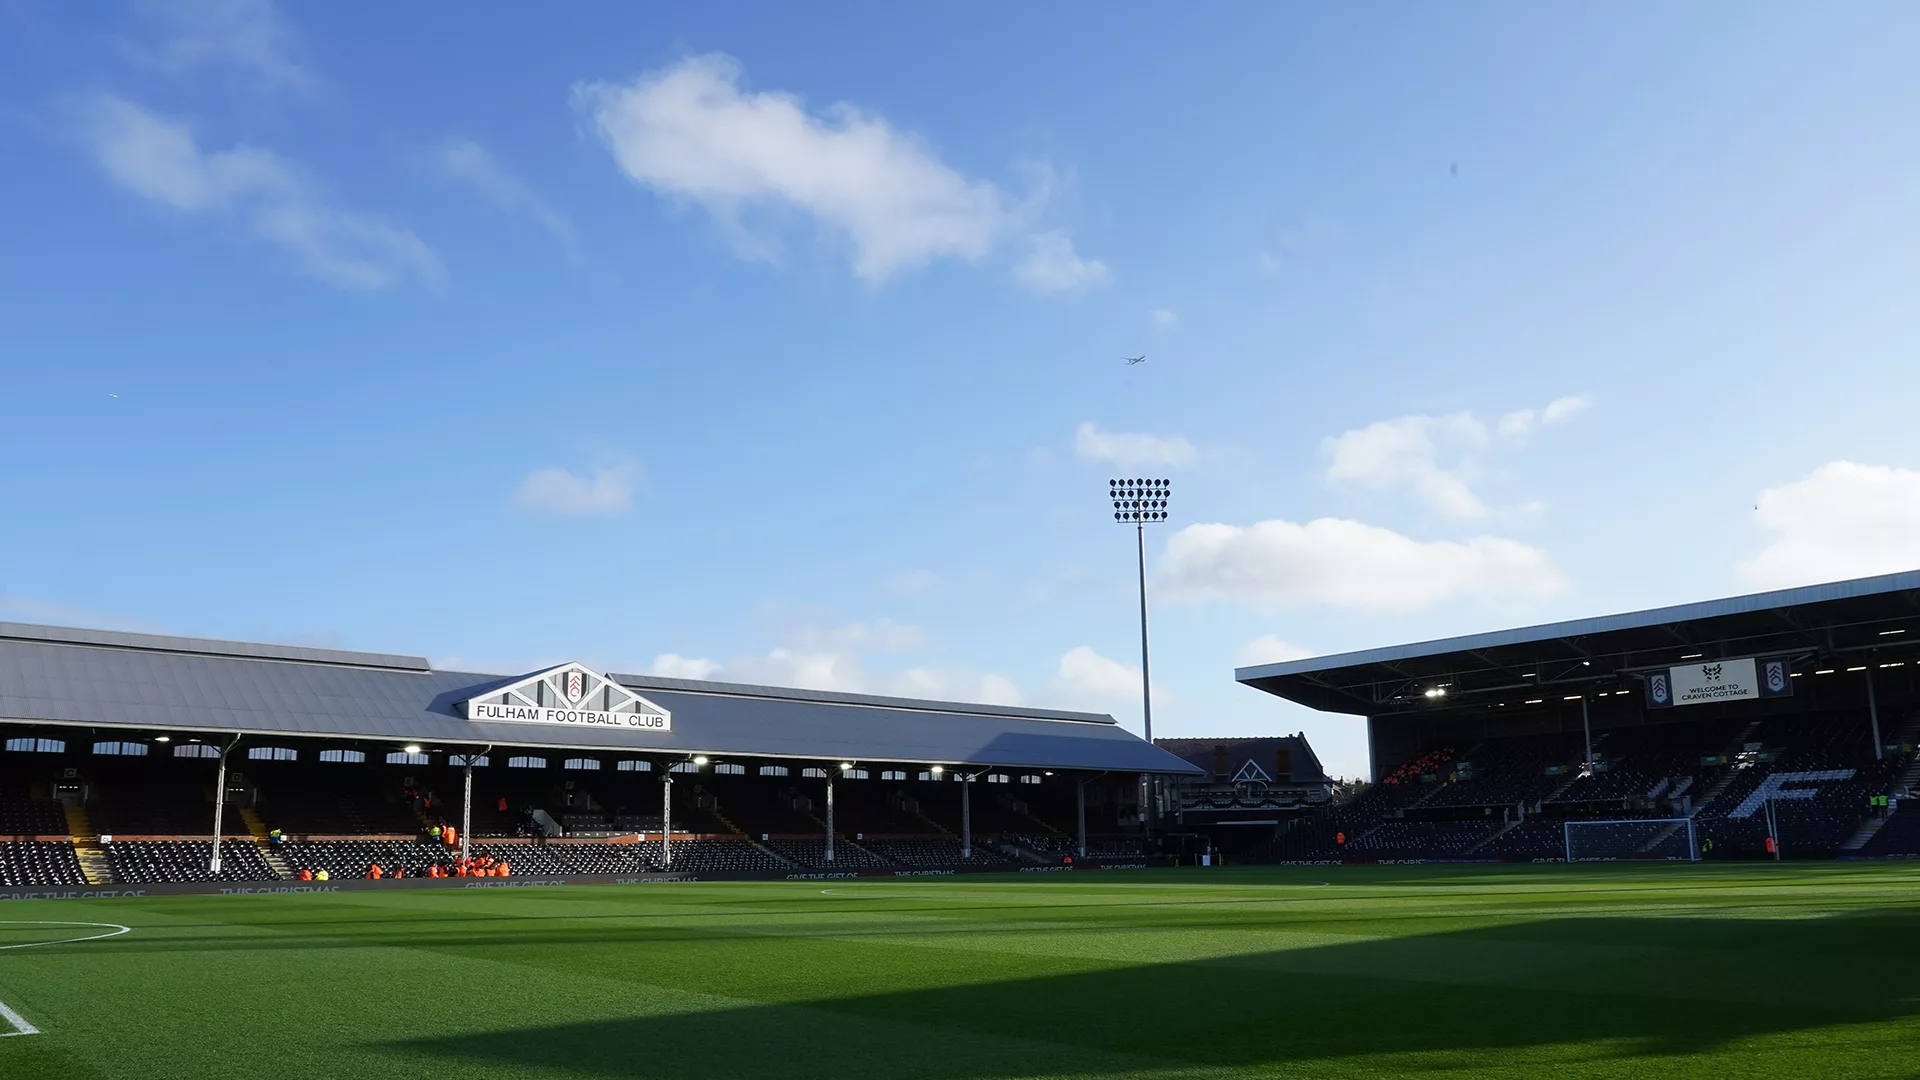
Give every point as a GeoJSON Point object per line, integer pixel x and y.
{"type": "Point", "coordinates": [1627, 839]}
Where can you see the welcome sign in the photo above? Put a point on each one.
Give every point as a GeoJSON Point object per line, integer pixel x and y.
{"type": "Point", "coordinates": [1741, 679]}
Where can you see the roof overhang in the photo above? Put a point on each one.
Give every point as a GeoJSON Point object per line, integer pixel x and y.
{"type": "Point", "coordinates": [1857, 618]}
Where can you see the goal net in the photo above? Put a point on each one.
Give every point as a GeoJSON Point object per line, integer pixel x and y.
{"type": "Point", "coordinates": [1658, 839]}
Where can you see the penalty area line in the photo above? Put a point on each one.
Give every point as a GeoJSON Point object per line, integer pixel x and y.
{"type": "Point", "coordinates": [20, 1025]}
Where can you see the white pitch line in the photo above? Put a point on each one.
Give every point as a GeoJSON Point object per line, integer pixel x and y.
{"type": "Point", "coordinates": [20, 1025]}
{"type": "Point", "coordinates": [116, 932]}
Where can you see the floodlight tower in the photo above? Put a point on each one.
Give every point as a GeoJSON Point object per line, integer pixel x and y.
{"type": "Point", "coordinates": [1141, 503]}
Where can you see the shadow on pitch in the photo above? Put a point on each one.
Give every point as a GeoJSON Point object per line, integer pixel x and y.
{"type": "Point", "coordinates": [1638, 987]}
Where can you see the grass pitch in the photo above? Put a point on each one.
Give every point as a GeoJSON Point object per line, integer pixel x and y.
{"type": "Point", "coordinates": [1597, 971]}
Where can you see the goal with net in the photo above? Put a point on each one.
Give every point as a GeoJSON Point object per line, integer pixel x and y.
{"type": "Point", "coordinates": [1657, 839]}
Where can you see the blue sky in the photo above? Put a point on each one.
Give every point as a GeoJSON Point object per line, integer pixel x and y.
{"type": "Point", "coordinates": [785, 345]}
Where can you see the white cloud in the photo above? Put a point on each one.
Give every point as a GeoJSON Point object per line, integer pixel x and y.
{"type": "Point", "coordinates": [158, 159]}
{"type": "Point", "coordinates": [1843, 520]}
{"type": "Point", "coordinates": [248, 35]}
{"type": "Point", "coordinates": [1436, 457]}
{"type": "Point", "coordinates": [1085, 674]}
{"type": "Point", "coordinates": [1268, 649]}
{"type": "Point", "coordinates": [555, 490]}
{"type": "Point", "coordinates": [1406, 451]}
{"type": "Point", "coordinates": [1052, 265]}
{"type": "Point", "coordinates": [691, 131]}
{"type": "Point", "coordinates": [1084, 679]}
{"type": "Point", "coordinates": [1126, 448]}
{"type": "Point", "coordinates": [1521, 422]}
{"type": "Point", "coordinates": [675, 666]}
{"type": "Point", "coordinates": [833, 658]}
{"type": "Point", "coordinates": [1348, 564]}
{"type": "Point", "coordinates": [1163, 317]}
{"type": "Point", "coordinates": [474, 165]}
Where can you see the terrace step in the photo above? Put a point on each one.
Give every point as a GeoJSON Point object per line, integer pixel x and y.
{"type": "Point", "coordinates": [94, 864]}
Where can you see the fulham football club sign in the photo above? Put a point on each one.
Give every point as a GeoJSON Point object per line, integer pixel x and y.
{"type": "Point", "coordinates": [570, 695]}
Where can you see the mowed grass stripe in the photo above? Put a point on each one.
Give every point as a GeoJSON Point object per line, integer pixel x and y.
{"type": "Point", "coordinates": [1582, 971]}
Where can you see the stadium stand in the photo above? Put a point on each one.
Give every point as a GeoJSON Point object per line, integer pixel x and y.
{"type": "Point", "coordinates": [39, 862]}
{"type": "Point", "coordinates": [31, 817]}
{"type": "Point", "coordinates": [847, 855]}
{"type": "Point", "coordinates": [146, 862]}
{"type": "Point", "coordinates": [933, 853]}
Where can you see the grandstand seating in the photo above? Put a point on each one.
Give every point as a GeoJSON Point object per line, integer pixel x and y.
{"type": "Point", "coordinates": [1400, 817]}
{"type": "Point", "coordinates": [933, 852]}
{"type": "Point", "coordinates": [1403, 839]}
{"type": "Point", "coordinates": [147, 862]}
{"type": "Point", "coordinates": [1053, 846]}
{"type": "Point", "coordinates": [1900, 836]}
{"type": "Point", "coordinates": [39, 862]}
{"type": "Point", "coordinates": [813, 853]}
{"type": "Point", "coordinates": [31, 817]}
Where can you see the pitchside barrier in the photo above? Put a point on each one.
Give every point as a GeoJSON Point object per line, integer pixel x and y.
{"type": "Point", "coordinates": [264, 888]}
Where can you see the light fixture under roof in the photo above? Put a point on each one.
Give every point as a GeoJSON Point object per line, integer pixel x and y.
{"type": "Point", "coordinates": [412, 748]}
{"type": "Point", "coordinates": [700, 759]}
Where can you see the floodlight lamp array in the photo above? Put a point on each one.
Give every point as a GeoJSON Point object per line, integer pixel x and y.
{"type": "Point", "coordinates": [1138, 500]}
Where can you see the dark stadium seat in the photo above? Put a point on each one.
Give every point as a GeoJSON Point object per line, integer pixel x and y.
{"type": "Point", "coordinates": [39, 862]}
{"type": "Point", "coordinates": [148, 862]}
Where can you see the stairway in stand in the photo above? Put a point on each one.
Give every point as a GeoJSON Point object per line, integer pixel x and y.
{"type": "Point", "coordinates": [720, 816]}
{"type": "Point", "coordinates": [261, 840]}
{"type": "Point", "coordinates": [840, 841]}
{"type": "Point", "coordinates": [1905, 782]}
{"type": "Point", "coordinates": [94, 864]}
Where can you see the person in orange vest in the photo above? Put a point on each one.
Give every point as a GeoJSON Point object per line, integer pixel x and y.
{"type": "Point", "coordinates": [450, 835]}
{"type": "Point", "coordinates": [503, 870]}
{"type": "Point", "coordinates": [1340, 838]}
{"type": "Point", "coordinates": [374, 873]}
{"type": "Point", "coordinates": [306, 874]}
{"type": "Point", "coordinates": [1770, 846]}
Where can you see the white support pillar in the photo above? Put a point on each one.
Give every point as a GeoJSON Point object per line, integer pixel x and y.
{"type": "Point", "coordinates": [1873, 715]}
{"type": "Point", "coordinates": [220, 804]}
{"type": "Point", "coordinates": [666, 818]}
{"type": "Point", "coordinates": [829, 814]}
{"type": "Point", "coordinates": [466, 812]}
{"type": "Point", "coordinates": [1586, 728]}
{"type": "Point", "coordinates": [1080, 814]}
{"type": "Point", "coordinates": [966, 816]}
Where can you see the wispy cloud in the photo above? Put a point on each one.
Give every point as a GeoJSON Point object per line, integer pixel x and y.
{"type": "Point", "coordinates": [1164, 318]}
{"type": "Point", "coordinates": [1052, 265]}
{"type": "Point", "coordinates": [1132, 448]}
{"type": "Point", "coordinates": [556, 490]}
{"type": "Point", "coordinates": [468, 162]}
{"type": "Point", "coordinates": [753, 160]}
{"type": "Point", "coordinates": [159, 159]}
{"type": "Point", "coordinates": [1349, 565]}
{"type": "Point", "coordinates": [1437, 457]}
{"type": "Point", "coordinates": [835, 657]}
{"type": "Point", "coordinates": [248, 36]}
